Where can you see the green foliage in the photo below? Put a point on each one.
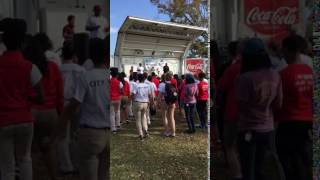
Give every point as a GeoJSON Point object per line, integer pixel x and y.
{"type": "Point", "coordinates": [190, 12]}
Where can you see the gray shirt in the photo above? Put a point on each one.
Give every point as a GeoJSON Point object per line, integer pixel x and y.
{"type": "Point", "coordinates": [93, 93]}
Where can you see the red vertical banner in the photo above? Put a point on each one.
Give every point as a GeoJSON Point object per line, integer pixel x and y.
{"type": "Point", "coordinates": [194, 65]}
{"type": "Point", "coordinates": [271, 18]}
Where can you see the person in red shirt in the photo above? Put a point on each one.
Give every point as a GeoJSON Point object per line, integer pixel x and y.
{"type": "Point", "coordinates": [156, 81]}
{"type": "Point", "coordinates": [115, 96]}
{"type": "Point", "coordinates": [17, 75]}
{"type": "Point", "coordinates": [202, 100]}
{"type": "Point", "coordinates": [181, 97]}
{"type": "Point", "coordinates": [125, 95]}
{"type": "Point", "coordinates": [226, 96]}
{"type": "Point", "coordinates": [68, 30]}
{"type": "Point", "coordinates": [173, 80]}
{"type": "Point", "coordinates": [46, 115]}
{"type": "Point", "coordinates": [295, 118]}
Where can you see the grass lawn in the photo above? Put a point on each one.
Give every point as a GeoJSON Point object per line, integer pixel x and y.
{"type": "Point", "coordinates": [158, 157]}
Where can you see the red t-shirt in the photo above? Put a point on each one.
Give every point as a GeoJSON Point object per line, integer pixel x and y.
{"type": "Point", "coordinates": [203, 91]}
{"type": "Point", "coordinates": [115, 91]}
{"type": "Point", "coordinates": [174, 82]}
{"type": "Point", "coordinates": [15, 83]}
{"type": "Point", "coordinates": [68, 32]}
{"type": "Point", "coordinates": [226, 85]}
{"type": "Point", "coordinates": [156, 82]}
{"type": "Point", "coordinates": [53, 87]}
{"type": "Point", "coordinates": [182, 90]}
{"type": "Point", "coordinates": [297, 85]}
{"type": "Point", "coordinates": [126, 89]}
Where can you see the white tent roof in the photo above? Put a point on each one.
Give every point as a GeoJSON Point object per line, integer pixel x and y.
{"type": "Point", "coordinates": [139, 37]}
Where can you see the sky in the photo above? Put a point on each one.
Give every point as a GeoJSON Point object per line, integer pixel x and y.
{"type": "Point", "coordinates": [120, 9]}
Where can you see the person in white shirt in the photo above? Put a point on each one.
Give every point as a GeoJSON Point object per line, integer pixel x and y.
{"type": "Point", "coordinates": [305, 48]}
{"type": "Point", "coordinates": [279, 63]}
{"type": "Point", "coordinates": [162, 105]}
{"type": "Point", "coordinates": [133, 79]}
{"type": "Point", "coordinates": [142, 96]}
{"type": "Point", "coordinates": [71, 72]}
{"type": "Point", "coordinates": [92, 96]}
{"type": "Point", "coordinates": [306, 60]}
{"type": "Point", "coordinates": [140, 69]}
{"type": "Point", "coordinates": [97, 25]}
{"type": "Point", "coordinates": [153, 89]}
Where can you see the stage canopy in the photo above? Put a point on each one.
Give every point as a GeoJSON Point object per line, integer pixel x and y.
{"type": "Point", "coordinates": [139, 39]}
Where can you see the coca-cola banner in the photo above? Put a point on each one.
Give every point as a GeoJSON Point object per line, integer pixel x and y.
{"type": "Point", "coordinates": [194, 65]}
{"type": "Point", "coordinates": [271, 17]}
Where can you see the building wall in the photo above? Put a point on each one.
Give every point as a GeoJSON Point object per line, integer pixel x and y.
{"type": "Point", "coordinates": [30, 9]}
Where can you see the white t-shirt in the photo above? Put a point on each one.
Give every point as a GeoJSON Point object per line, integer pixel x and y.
{"type": "Point", "coordinates": [153, 86]}
{"type": "Point", "coordinates": [306, 60]}
{"type": "Point", "coordinates": [71, 73]}
{"type": "Point", "coordinates": [277, 63]}
{"type": "Point", "coordinates": [88, 64]}
{"type": "Point", "coordinates": [101, 21]}
{"type": "Point", "coordinates": [93, 93]}
{"type": "Point", "coordinates": [132, 85]}
{"type": "Point", "coordinates": [54, 57]}
{"type": "Point", "coordinates": [162, 88]}
{"type": "Point", "coordinates": [142, 92]}
{"type": "Point", "coordinates": [35, 75]}
{"type": "Point", "coordinates": [283, 64]}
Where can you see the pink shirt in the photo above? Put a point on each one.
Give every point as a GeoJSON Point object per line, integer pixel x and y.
{"type": "Point", "coordinates": [258, 93]}
{"type": "Point", "coordinates": [191, 92]}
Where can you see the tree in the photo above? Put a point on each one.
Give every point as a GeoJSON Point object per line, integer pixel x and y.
{"type": "Point", "coordinates": [191, 12]}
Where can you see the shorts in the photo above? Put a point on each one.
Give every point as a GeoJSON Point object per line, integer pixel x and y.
{"type": "Point", "coordinates": [45, 122]}
{"type": "Point", "coordinates": [124, 101]}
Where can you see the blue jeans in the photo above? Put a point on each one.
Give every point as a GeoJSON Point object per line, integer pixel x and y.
{"type": "Point", "coordinates": [189, 109]}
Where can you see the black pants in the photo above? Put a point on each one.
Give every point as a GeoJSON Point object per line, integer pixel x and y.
{"type": "Point", "coordinates": [294, 146]}
{"type": "Point", "coordinates": [202, 111]}
{"type": "Point", "coordinates": [254, 148]}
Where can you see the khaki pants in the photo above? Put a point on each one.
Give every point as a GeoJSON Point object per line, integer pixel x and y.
{"type": "Point", "coordinates": [141, 121]}
{"type": "Point", "coordinates": [130, 111]}
{"type": "Point", "coordinates": [16, 143]}
{"type": "Point", "coordinates": [94, 155]}
{"type": "Point", "coordinates": [115, 115]}
{"type": "Point", "coordinates": [147, 116]}
{"type": "Point", "coordinates": [63, 152]}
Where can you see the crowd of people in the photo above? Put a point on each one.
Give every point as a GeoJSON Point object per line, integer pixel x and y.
{"type": "Point", "coordinates": [144, 94]}
{"type": "Point", "coordinates": [48, 101]}
{"type": "Point", "coordinates": [265, 98]}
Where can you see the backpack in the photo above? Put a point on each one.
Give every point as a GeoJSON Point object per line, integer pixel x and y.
{"type": "Point", "coordinates": [171, 95]}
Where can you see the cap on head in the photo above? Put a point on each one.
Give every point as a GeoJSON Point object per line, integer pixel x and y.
{"type": "Point", "coordinates": [253, 46]}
